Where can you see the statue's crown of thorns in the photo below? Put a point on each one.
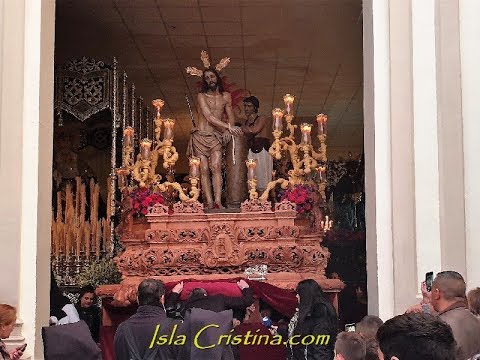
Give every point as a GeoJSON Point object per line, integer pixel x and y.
{"type": "Point", "coordinates": [206, 63]}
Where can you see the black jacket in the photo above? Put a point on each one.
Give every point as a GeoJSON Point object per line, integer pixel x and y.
{"type": "Point", "coordinates": [196, 321]}
{"type": "Point", "coordinates": [216, 303]}
{"type": "Point", "coordinates": [316, 323]}
{"type": "Point", "coordinates": [91, 316]}
{"type": "Point", "coordinates": [143, 325]}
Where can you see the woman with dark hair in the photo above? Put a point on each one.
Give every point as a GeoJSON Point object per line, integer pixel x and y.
{"type": "Point", "coordinates": [88, 311]}
{"type": "Point", "coordinates": [315, 316]}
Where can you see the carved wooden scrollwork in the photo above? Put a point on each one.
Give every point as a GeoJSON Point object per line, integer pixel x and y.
{"type": "Point", "coordinates": [158, 236]}
{"type": "Point", "coordinates": [291, 255]}
{"type": "Point", "coordinates": [158, 209]}
{"type": "Point", "coordinates": [199, 235]}
{"type": "Point", "coordinates": [288, 232]}
{"type": "Point", "coordinates": [255, 233]}
{"type": "Point", "coordinates": [154, 260]}
{"type": "Point", "coordinates": [285, 205]}
{"type": "Point", "coordinates": [183, 207]}
{"type": "Point", "coordinates": [256, 205]}
{"type": "Point", "coordinates": [256, 256]}
{"type": "Point", "coordinates": [128, 262]}
{"type": "Point", "coordinates": [317, 258]}
{"type": "Point", "coordinates": [189, 258]}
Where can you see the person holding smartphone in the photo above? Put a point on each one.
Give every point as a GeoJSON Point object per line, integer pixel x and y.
{"type": "Point", "coordinates": [425, 306]}
{"type": "Point", "coordinates": [8, 316]}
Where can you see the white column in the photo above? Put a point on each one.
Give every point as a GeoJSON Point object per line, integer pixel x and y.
{"type": "Point", "coordinates": [37, 170]}
{"type": "Point", "coordinates": [26, 119]}
{"type": "Point", "coordinates": [450, 137]}
{"type": "Point", "coordinates": [470, 60]}
{"type": "Point", "coordinates": [11, 74]}
{"type": "Point", "coordinates": [425, 138]}
{"type": "Point", "coordinates": [402, 157]}
{"type": "Point", "coordinates": [378, 158]}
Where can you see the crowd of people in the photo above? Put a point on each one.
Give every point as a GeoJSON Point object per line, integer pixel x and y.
{"type": "Point", "coordinates": [444, 326]}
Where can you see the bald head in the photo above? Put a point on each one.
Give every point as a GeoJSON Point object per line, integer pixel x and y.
{"type": "Point", "coordinates": [451, 284]}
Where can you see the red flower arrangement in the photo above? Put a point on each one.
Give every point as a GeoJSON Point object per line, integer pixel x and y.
{"type": "Point", "coordinates": [143, 198]}
{"type": "Point", "coordinates": [301, 195]}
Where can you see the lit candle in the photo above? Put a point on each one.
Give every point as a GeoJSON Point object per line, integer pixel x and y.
{"type": "Point", "coordinates": [322, 124]}
{"type": "Point", "coordinates": [128, 133]}
{"type": "Point", "coordinates": [122, 177]}
{"type": "Point", "coordinates": [277, 115]}
{"type": "Point", "coordinates": [169, 124]}
{"type": "Point", "coordinates": [288, 100]}
{"type": "Point", "coordinates": [58, 222]}
{"type": "Point", "coordinates": [145, 148]}
{"type": "Point", "coordinates": [194, 163]}
{"type": "Point", "coordinates": [158, 103]}
{"type": "Point", "coordinates": [306, 130]}
{"type": "Point", "coordinates": [321, 172]}
{"type": "Point", "coordinates": [251, 165]}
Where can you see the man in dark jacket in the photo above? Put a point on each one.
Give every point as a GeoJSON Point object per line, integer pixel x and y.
{"type": "Point", "coordinates": [204, 330]}
{"type": "Point", "coordinates": [134, 337]}
{"type": "Point", "coordinates": [217, 303]}
{"type": "Point", "coordinates": [449, 299]}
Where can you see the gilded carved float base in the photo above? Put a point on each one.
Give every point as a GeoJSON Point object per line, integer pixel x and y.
{"type": "Point", "coordinates": [212, 246]}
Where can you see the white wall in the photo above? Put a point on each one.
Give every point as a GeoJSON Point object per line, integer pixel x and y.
{"type": "Point", "coordinates": [470, 73]}
{"type": "Point", "coordinates": [26, 128]}
{"type": "Point", "coordinates": [421, 126]}
{"type": "Point", "coordinates": [377, 158]}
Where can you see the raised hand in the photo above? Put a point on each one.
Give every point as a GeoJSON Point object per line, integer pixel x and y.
{"type": "Point", "coordinates": [16, 354]}
{"type": "Point", "coordinates": [242, 284]}
{"type": "Point", "coordinates": [178, 288]}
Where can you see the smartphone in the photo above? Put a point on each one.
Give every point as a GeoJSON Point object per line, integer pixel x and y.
{"type": "Point", "coordinates": [350, 327]}
{"type": "Point", "coordinates": [23, 347]}
{"type": "Point", "coordinates": [429, 280]}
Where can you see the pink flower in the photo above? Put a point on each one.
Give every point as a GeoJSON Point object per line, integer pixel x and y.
{"type": "Point", "coordinates": [301, 199]}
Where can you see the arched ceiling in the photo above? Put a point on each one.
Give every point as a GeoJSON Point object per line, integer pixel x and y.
{"type": "Point", "coordinates": [309, 48]}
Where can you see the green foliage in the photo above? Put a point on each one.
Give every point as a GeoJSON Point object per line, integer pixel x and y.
{"type": "Point", "coordinates": [101, 272]}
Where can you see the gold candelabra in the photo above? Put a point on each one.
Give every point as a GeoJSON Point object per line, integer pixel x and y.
{"type": "Point", "coordinates": [143, 170]}
{"type": "Point", "coordinates": [302, 165]}
{"type": "Point", "coordinates": [304, 158]}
